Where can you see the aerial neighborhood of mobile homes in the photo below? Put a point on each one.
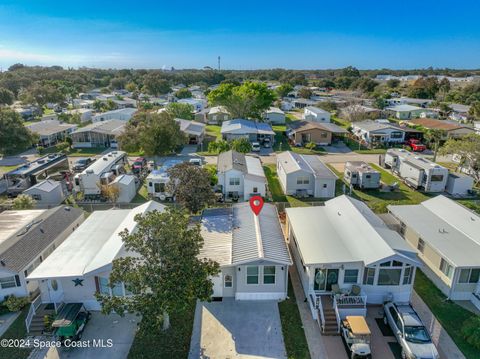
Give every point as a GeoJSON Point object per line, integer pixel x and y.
{"type": "Point", "coordinates": [356, 206]}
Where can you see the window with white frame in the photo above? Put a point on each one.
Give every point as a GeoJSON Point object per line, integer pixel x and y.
{"type": "Point", "coordinates": [228, 281]}
{"type": "Point", "coordinates": [269, 275]}
{"type": "Point", "coordinates": [252, 275]}
{"type": "Point", "coordinates": [234, 181]}
{"type": "Point", "coordinates": [369, 276]}
{"type": "Point", "coordinates": [408, 275]}
{"type": "Point", "coordinates": [8, 282]}
{"type": "Point", "coordinates": [469, 275]}
{"type": "Point", "coordinates": [303, 180]}
{"type": "Point", "coordinates": [421, 245]}
{"type": "Point", "coordinates": [350, 276]}
{"type": "Point", "coordinates": [103, 285]}
{"type": "Point", "coordinates": [446, 268]}
{"type": "Point", "coordinates": [389, 276]}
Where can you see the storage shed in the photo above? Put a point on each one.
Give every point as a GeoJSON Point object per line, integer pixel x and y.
{"type": "Point", "coordinates": [459, 184]}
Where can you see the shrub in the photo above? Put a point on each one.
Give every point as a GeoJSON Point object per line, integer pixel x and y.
{"type": "Point", "coordinates": [310, 146]}
{"type": "Point", "coordinates": [14, 304]}
{"type": "Point", "coordinates": [471, 331]}
{"type": "Point", "coordinates": [41, 150]}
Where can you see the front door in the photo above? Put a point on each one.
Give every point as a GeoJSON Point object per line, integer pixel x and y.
{"type": "Point", "coordinates": [324, 279]}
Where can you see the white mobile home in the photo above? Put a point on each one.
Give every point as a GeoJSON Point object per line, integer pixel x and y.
{"type": "Point", "coordinates": [240, 176]}
{"type": "Point", "coordinates": [378, 133]}
{"type": "Point", "coordinates": [251, 251]}
{"type": "Point", "coordinates": [157, 181]}
{"type": "Point", "coordinates": [360, 174]}
{"type": "Point", "coordinates": [123, 114]}
{"type": "Point", "coordinates": [447, 238]}
{"type": "Point", "coordinates": [315, 114]}
{"type": "Point", "coordinates": [81, 265]}
{"type": "Point", "coordinates": [274, 115]}
{"type": "Point", "coordinates": [417, 171]}
{"type": "Point", "coordinates": [305, 175]}
{"type": "Point", "coordinates": [102, 171]}
{"type": "Point", "coordinates": [27, 238]}
{"type": "Point", "coordinates": [343, 249]}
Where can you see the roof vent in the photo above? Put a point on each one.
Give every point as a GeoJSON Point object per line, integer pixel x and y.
{"type": "Point", "coordinates": [442, 230]}
{"type": "Point", "coordinates": [339, 213]}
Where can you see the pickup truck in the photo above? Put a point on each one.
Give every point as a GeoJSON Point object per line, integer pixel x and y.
{"type": "Point", "coordinates": [416, 145]}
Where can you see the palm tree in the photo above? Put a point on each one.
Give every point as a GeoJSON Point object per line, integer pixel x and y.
{"type": "Point", "coordinates": [434, 136]}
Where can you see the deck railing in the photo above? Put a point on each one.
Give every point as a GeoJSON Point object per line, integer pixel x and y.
{"type": "Point", "coordinates": [317, 309]}
{"type": "Point", "coordinates": [31, 312]}
{"type": "Point", "coordinates": [351, 301]}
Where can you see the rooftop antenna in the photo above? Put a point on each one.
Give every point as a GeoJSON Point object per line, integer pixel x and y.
{"type": "Point", "coordinates": [219, 63]}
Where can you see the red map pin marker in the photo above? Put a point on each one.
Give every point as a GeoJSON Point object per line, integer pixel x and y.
{"type": "Point", "coordinates": [256, 204]}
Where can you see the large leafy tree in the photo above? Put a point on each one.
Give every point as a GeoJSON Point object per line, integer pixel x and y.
{"type": "Point", "coordinates": [248, 100]}
{"type": "Point", "coordinates": [180, 110]}
{"type": "Point", "coordinates": [43, 93]}
{"type": "Point", "coordinates": [424, 88]}
{"type": "Point", "coordinates": [241, 145]}
{"type": "Point", "coordinates": [183, 93]}
{"type": "Point", "coordinates": [166, 274]}
{"type": "Point", "coordinates": [283, 90]}
{"type": "Point", "coordinates": [14, 136]}
{"type": "Point", "coordinates": [474, 111]}
{"type": "Point", "coordinates": [154, 133]}
{"type": "Point", "coordinates": [6, 96]}
{"type": "Point", "coordinates": [191, 186]}
{"type": "Point", "coordinates": [468, 150]}
{"type": "Point", "coordinates": [156, 85]}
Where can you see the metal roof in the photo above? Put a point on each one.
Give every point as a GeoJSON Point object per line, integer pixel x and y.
{"type": "Point", "coordinates": [191, 127]}
{"type": "Point", "coordinates": [317, 110]}
{"type": "Point", "coordinates": [359, 166]}
{"type": "Point", "coordinates": [448, 227]}
{"type": "Point", "coordinates": [403, 108]}
{"type": "Point", "coordinates": [241, 126]}
{"type": "Point", "coordinates": [292, 162]}
{"type": "Point", "coordinates": [105, 162]}
{"type": "Point", "coordinates": [109, 127]}
{"type": "Point", "coordinates": [345, 230]}
{"type": "Point", "coordinates": [236, 235]}
{"type": "Point", "coordinates": [414, 159]}
{"type": "Point", "coordinates": [94, 245]}
{"type": "Point", "coordinates": [47, 185]}
{"type": "Point", "coordinates": [299, 126]}
{"type": "Point", "coordinates": [229, 160]}
{"type": "Point", "coordinates": [370, 126]}
{"type": "Point", "coordinates": [50, 127]}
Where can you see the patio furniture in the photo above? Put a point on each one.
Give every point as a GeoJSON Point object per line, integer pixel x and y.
{"type": "Point", "coordinates": [356, 290]}
{"type": "Point", "coordinates": [336, 291]}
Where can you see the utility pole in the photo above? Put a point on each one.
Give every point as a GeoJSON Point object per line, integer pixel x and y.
{"type": "Point", "coordinates": [219, 63]}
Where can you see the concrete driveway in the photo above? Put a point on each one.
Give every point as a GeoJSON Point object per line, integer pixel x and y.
{"type": "Point", "coordinates": [120, 330]}
{"type": "Point", "coordinates": [237, 329]}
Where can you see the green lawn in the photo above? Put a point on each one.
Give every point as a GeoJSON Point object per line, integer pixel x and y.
{"type": "Point", "coordinates": [173, 343]}
{"type": "Point", "coordinates": [449, 314]}
{"type": "Point", "coordinates": [214, 131]}
{"type": "Point", "coordinates": [354, 146]}
{"type": "Point", "coordinates": [77, 152]}
{"type": "Point", "coordinates": [5, 169]}
{"type": "Point", "coordinates": [274, 184]}
{"type": "Point", "coordinates": [142, 195]}
{"type": "Point", "coordinates": [16, 331]}
{"type": "Point", "coordinates": [292, 328]}
{"type": "Point", "coordinates": [377, 200]}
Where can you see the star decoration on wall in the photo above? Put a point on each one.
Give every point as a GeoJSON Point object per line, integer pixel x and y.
{"type": "Point", "coordinates": [78, 282]}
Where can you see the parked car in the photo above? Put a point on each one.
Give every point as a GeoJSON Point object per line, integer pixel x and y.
{"type": "Point", "coordinates": [410, 332]}
{"type": "Point", "coordinates": [416, 145]}
{"type": "Point", "coordinates": [70, 322]}
{"type": "Point", "coordinates": [255, 147]}
{"type": "Point", "coordinates": [196, 161]}
{"type": "Point", "coordinates": [139, 164]}
{"type": "Point", "coordinates": [82, 163]}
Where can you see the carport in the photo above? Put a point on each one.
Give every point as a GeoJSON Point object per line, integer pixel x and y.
{"type": "Point", "coordinates": [232, 329]}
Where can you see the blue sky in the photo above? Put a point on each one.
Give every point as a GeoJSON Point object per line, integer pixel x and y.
{"type": "Point", "coordinates": [247, 34]}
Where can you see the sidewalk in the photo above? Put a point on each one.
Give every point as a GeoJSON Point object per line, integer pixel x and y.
{"type": "Point", "coordinates": [444, 343]}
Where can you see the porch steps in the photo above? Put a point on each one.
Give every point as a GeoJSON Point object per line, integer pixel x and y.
{"type": "Point", "coordinates": [37, 326]}
{"type": "Point", "coordinates": [331, 325]}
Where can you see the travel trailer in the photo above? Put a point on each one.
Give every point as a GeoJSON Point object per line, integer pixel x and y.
{"type": "Point", "coordinates": [29, 174]}
{"type": "Point", "coordinates": [417, 172]}
{"type": "Point", "coordinates": [360, 174]}
{"type": "Point", "coordinates": [102, 171]}
{"type": "Point", "coordinates": [157, 181]}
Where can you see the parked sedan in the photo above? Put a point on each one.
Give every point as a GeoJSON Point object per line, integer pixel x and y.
{"type": "Point", "coordinates": [410, 332]}
{"type": "Point", "coordinates": [82, 163]}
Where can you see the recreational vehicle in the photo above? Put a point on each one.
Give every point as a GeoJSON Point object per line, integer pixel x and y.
{"type": "Point", "coordinates": [360, 174]}
{"type": "Point", "coordinates": [27, 175]}
{"type": "Point", "coordinates": [103, 171]}
{"type": "Point", "coordinates": [417, 171]}
{"type": "Point", "coordinates": [157, 181]}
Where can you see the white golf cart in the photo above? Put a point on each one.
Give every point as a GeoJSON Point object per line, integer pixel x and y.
{"type": "Point", "coordinates": [356, 334]}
